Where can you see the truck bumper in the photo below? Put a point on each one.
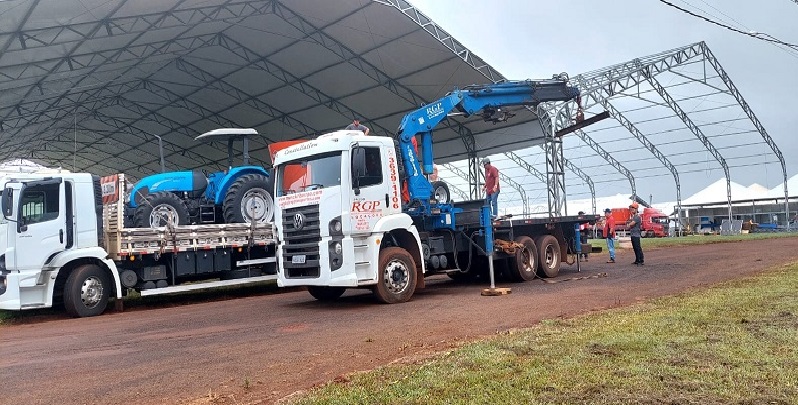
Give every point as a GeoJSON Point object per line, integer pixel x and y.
{"type": "Point", "coordinates": [9, 292]}
{"type": "Point", "coordinates": [345, 276]}
{"type": "Point", "coordinates": [23, 292]}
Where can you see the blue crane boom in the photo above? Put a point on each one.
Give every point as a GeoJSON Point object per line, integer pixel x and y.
{"type": "Point", "coordinates": [486, 100]}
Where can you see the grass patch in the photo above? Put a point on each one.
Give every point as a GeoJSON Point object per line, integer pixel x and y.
{"type": "Point", "coordinates": [736, 343]}
{"type": "Point", "coordinates": [5, 315]}
{"type": "Point", "coordinates": [699, 239]}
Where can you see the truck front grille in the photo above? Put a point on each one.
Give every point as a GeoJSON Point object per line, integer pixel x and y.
{"type": "Point", "coordinates": [301, 236]}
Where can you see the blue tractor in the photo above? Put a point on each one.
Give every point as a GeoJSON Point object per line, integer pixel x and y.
{"type": "Point", "coordinates": [238, 194]}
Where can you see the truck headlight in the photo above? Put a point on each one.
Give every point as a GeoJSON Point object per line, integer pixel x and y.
{"type": "Point", "coordinates": [336, 254]}
{"type": "Point", "coordinates": [336, 229]}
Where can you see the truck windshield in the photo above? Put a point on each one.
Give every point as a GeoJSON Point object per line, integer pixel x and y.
{"type": "Point", "coordinates": [313, 173]}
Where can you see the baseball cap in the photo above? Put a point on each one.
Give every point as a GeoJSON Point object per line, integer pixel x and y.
{"type": "Point", "coordinates": [485, 161]}
{"type": "Point", "coordinates": [607, 210]}
{"type": "Point", "coordinates": [633, 205]}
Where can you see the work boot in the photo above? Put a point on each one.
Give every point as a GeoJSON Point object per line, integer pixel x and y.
{"type": "Point", "coordinates": [611, 261]}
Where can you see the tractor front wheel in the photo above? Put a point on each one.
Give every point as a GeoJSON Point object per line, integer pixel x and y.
{"type": "Point", "coordinates": [160, 209]}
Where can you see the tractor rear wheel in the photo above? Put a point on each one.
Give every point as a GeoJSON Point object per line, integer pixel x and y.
{"type": "Point", "coordinates": [159, 209]}
{"type": "Point", "coordinates": [248, 200]}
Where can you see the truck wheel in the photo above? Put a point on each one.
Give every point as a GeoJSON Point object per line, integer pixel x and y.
{"type": "Point", "coordinates": [159, 209]}
{"type": "Point", "coordinates": [249, 199]}
{"type": "Point", "coordinates": [523, 266]}
{"type": "Point", "coordinates": [397, 277]}
{"type": "Point", "coordinates": [548, 255]}
{"type": "Point", "coordinates": [86, 291]}
{"type": "Point", "coordinates": [440, 192]}
{"type": "Point", "coordinates": [326, 293]}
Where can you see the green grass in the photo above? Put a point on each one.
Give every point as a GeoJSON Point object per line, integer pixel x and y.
{"type": "Point", "coordinates": [699, 239]}
{"type": "Point", "coordinates": [732, 344]}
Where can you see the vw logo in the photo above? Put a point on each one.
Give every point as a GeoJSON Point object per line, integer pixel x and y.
{"type": "Point", "coordinates": [299, 221]}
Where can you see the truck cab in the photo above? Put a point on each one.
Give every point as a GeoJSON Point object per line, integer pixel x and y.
{"type": "Point", "coordinates": [51, 246]}
{"type": "Point", "coordinates": [339, 218]}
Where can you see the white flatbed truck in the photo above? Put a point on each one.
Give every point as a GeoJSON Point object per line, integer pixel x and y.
{"type": "Point", "coordinates": [63, 241]}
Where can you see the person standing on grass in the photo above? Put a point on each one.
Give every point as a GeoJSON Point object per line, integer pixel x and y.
{"type": "Point", "coordinates": [634, 231]}
{"type": "Point", "coordinates": [609, 233]}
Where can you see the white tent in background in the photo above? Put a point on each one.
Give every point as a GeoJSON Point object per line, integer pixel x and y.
{"type": "Point", "coordinates": [717, 193]}
{"type": "Point", "coordinates": [26, 166]}
{"type": "Point", "coordinates": [792, 188]}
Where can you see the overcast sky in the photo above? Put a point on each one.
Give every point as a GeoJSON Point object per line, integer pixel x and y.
{"type": "Point", "coordinates": [533, 39]}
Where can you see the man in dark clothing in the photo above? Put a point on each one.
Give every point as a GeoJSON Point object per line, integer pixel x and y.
{"type": "Point", "coordinates": [491, 187]}
{"type": "Point", "coordinates": [634, 231]}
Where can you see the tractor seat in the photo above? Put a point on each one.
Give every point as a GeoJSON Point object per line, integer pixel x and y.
{"type": "Point", "coordinates": [198, 183]}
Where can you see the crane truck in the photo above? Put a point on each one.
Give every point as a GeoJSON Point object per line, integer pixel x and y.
{"type": "Point", "coordinates": [341, 222]}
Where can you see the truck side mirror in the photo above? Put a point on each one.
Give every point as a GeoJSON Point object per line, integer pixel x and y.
{"type": "Point", "coordinates": [358, 167]}
{"type": "Point", "coordinates": [7, 202]}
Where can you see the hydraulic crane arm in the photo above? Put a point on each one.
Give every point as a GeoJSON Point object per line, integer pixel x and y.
{"type": "Point", "coordinates": [486, 100]}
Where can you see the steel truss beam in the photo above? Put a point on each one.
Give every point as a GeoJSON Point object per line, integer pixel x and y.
{"type": "Point", "coordinates": [696, 130]}
{"type": "Point", "coordinates": [526, 166]}
{"type": "Point", "coordinates": [625, 122]}
{"type": "Point", "coordinates": [604, 83]}
{"type": "Point", "coordinates": [66, 61]}
{"type": "Point", "coordinates": [520, 189]}
{"type": "Point", "coordinates": [608, 157]}
{"type": "Point", "coordinates": [582, 175]}
{"type": "Point", "coordinates": [444, 38]}
{"type": "Point", "coordinates": [65, 34]}
{"type": "Point", "coordinates": [459, 173]}
{"type": "Point", "coordinates": [317, 35]}
{"type": "Point", "coordinates": [709, 57]}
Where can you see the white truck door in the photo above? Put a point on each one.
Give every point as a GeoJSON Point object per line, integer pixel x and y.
{"type": "Point", "coordinates": [370, 196]}
{"type": "Point", "coordinates": [41, 223]}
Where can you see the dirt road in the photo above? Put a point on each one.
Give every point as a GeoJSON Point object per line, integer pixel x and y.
{"type": "Point", "coordinates": [265, 346]}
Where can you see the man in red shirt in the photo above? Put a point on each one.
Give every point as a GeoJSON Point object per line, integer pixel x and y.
{"type": "Point", "coordinates": [491, 187]}
{"type": "Point", "coordinates": [609, 233]}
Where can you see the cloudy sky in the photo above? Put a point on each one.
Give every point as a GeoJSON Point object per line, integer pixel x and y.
{"type": "Point", "coordinates": [533, 39]}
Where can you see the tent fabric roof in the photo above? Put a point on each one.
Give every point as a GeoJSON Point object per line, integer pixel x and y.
{"type": "Point", "coordinates": [91, 84]}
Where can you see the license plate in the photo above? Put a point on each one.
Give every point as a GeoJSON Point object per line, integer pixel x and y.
{"type": "Point", "coordinates": [298, 259]}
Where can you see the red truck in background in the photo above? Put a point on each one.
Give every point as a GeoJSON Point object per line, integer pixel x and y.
{"type": "Point", "coordinates": [655, 222]}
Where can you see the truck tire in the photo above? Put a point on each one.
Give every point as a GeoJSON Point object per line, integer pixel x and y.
{"type": "Point", "coordinates": [158, 208]}
{"type": "Point", "coordinates": [440, 192]}
{"type": "Point", "coordinates": [326, 294]}
{"type": "Point", "coordinates": [548, 256]}
{"type": "Point", "coordinates": [524, 266]}
{"type": "Point", "coordinates": [249, 199]}
{"type": "Point", "coordinates": [86, 291]}
{"type": "Point", "coordinates": [397, 276]}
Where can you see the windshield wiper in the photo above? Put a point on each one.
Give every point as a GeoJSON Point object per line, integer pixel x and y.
{"type": "Point", "coordinates": [312, 186]}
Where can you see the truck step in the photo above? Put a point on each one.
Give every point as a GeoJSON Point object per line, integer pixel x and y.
{"type": "Point", "coordinates": [202, 286]}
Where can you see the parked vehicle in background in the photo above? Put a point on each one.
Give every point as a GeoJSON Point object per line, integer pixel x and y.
{"type": "Point", "coordinates": [654, 222]}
